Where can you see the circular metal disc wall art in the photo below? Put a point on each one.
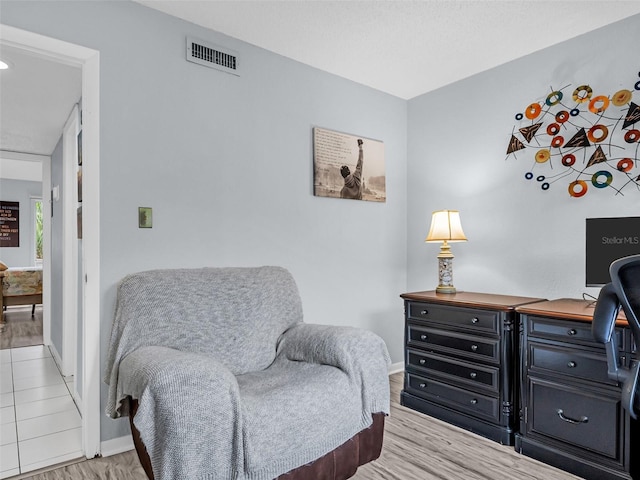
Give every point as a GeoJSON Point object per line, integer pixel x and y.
{"type": "Point", "coordinates": [580, 139]}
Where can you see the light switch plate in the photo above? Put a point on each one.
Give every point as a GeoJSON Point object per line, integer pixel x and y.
{"type": "Point", "coordinates": [145, 217]}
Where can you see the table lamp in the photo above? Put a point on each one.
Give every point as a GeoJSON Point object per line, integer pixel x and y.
{"type": "Point", "coordinates": [445, 228]}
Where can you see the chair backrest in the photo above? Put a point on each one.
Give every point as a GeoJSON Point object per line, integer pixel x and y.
{"type": "Point", "coordinates": [623, 292]}
{"type": "Point", "coordinates": [235, 315]}
{"type": "Point", "coordinates": [625, 277]}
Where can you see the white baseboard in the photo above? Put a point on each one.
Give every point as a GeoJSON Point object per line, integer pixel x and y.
{"type": "Point", "coordinates": [76, 394]}
{"type": "Point", "coordinates": [117, 445]}
{"type": "Point", "coordinates": [56, 356]}
{"type": "Point", "coordinates": [396, 367]}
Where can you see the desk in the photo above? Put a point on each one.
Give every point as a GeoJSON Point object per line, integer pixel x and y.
{"type": "Point", "coordinates": [461, 362]}
{"type": "Point", "coordinates": [523, 371]}
{"type": "Point", "coordinates": [570, 410]}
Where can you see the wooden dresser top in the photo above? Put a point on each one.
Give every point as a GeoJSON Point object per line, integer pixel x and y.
{"type": "Point", "coordinates": [566, 309]}
{"type": "Point", "coordinates": [471, 299]}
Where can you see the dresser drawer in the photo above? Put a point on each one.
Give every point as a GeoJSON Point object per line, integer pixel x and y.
{"type": "Point", "coordinates": [572, 362]}
{"type": "Point", "coordinates": [587, 420]}
{"type": "Point", "coordinates": [454, 397]}
{"type": "Point", "coordinates": [573, 332]}
{"type": "Point", "coordinates": [481, 348]}
{"type": "Point", "coordinates": [469, 318]}
{"type": "Point", "coordinates": [474, 375]}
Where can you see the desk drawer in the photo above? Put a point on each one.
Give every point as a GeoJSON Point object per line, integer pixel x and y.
{"type": "Point", "coordinates": [458, 317]}
{"type": "Point", "coordinates": [584, 419]}
{"type": "Point", "coordinates": [572, 362]}
{"type": "Point", "coordinates": [482, 348]}
{"type": "Point", "coordinates": [453, 397]}
{"type": "Point", "coordinates": [475, 375]}
{"type": "Point", "coordinates": [574, 332]}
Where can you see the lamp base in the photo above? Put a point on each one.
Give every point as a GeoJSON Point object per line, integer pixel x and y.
{"type": "Point", "coordinates": [445, 271]}
{"type": "Point", "coordinates": [445, 289]}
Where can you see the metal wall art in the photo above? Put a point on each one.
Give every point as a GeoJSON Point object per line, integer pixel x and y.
{"type": "Point", "coordinates": [581, 139]}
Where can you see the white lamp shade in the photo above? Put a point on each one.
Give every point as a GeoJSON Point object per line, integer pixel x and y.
{"type": "Point", "coordinates": [446, 226]}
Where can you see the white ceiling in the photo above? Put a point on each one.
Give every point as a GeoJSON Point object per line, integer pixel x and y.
{"type": "Point", "coordinates": [36, 98]}
{"type": "Point", "coordinates": [401, 47]}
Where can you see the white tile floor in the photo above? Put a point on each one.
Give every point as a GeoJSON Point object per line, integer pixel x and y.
{"type": "Point", "coordinates": [39, 422]}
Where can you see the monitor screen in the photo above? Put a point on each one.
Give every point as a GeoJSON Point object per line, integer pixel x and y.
{"type": "Point", "coordinates": [608, 239]}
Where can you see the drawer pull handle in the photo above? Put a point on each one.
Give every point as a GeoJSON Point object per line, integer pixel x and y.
{"type": "Point", "coordinates": [423, 337]}
{"type": "Point", "coordinates": [474, 401]}
{"type": "Point", "coordinates": [474, 348]}
{"type": "Point", "coordinates": [424, 312]}
{"type": "Point", "coordinates": [473, 374]}
{"type": "Point", "coordinates": [583, 419]}
{"type": "Point", "coordinates": [572, 364]}
{"type": "Point", "coordinates": [474, 320]}
{"type": "Point", "coordinates": [572, 332]}
{"type": "Point", "coordinates": [422, 361]}
{"type": "Point", "coordinates": [423, 385]}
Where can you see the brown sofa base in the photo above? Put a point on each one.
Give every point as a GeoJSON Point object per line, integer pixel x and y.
{"type": "Point", "coordinates": [339, 464]}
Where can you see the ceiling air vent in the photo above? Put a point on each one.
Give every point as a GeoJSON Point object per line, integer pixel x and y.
{"type": "Point", "coordinates": [212, 56]}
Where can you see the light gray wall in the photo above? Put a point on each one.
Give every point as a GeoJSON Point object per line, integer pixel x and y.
{"type": "Point", "coordinates": [521, 240]}
{"type": "Point", "coordinates": [56, 249]}
{"type": "Point", "coordinates": [226, 164]}
{"type": "Point", "coordinates": [21, 191]}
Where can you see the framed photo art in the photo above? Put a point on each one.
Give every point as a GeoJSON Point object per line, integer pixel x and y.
{"type": "Point", "coordinates": [348, 166]}
{"type": "Point", "coordinates": [79, 222]}
{"type": "Point", "coordinates": [80, 148]}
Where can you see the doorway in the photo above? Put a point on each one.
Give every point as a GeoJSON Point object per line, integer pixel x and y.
{"type": "Point", "coordinates": [37, 95]}
{"type": "Point", "coordinates": [20, 187]}
{"type": "Point", "coordinates": [88, 341]}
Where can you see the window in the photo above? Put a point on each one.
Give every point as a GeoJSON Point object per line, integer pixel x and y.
{"type": "Point", "coordinates": [36, 208]}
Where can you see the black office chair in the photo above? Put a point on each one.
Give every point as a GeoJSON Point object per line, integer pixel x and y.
{"type": "Point", "coordinates": [623, 291]}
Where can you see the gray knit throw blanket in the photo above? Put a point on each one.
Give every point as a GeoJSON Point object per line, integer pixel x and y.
{"type": "Point", "coordinates": [231, 383]}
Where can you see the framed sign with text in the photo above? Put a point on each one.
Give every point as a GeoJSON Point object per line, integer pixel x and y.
{"type": "Point", "coordinates": [9, 224]}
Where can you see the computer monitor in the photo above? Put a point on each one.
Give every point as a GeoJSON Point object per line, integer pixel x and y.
{"type": "Point", "coordinates": [608, 239]}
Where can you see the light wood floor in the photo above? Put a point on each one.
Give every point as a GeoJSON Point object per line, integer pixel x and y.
{"type": "Point", "coordinates": [419, 447]}
{"type": "Point", "coordinates": [20, 329]}
{"type": "Point", "coordinates": [416, 447]}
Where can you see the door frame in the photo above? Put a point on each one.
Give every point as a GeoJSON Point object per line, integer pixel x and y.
{"type": "Point", "coordinates": [47, 206]}
{"type": "Point", "coordinates": [89, 61]}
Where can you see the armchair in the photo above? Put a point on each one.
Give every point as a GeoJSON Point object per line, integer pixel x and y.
{"type": "Point", "coordinates": [222, 379]}
{"type": "Point", "coordinates": [623, 292]}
